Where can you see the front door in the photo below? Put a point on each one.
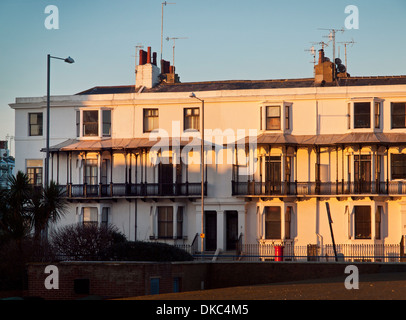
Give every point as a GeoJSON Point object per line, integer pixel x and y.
{"type": "Point", "coordinates": [210, 230]}
{"type": "Point", "coordinates": [231, 230]}
{"type": "Point", "coordinates": [362, 174]}
{"type": "Point", "coordinates": [273, 175]}
{"type": "Point", "coordinates": [165, 179]}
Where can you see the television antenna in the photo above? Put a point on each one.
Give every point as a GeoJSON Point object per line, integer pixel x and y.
{"type": "Point", "coordinates": [173, 48]}
{"type": "Point", "coordinates": [321, 43]}
{"type": "Point", "coordinates": [162, 22]}
{"type": "Point", "coordinates": [332, 37]}
{"type": "Point", "coordinates": [313, 53]}
{"type": "Point", "coordinates": [351, 43]}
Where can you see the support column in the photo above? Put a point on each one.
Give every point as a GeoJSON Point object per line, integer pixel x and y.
{"type": "Point", "coordinates": [221, 232]}
{"type": "Point", "coordinates": [373, 213]}
{"type": "Point", "coordinates": [242, 223]}
{"type": "Point", "coordinates": [402, 217]}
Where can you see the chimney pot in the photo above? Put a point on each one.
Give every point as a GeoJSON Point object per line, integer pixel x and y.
{"type": "Point", "coordinates": [141, 56]}
{"type": "Point", "coordinates": [149, 55]}
{"type": "Point", "coordinates": [154, 58]}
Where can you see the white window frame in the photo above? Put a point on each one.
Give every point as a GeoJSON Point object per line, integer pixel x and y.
{"type": "Point", "coordinates": [372, 101]}
{"type": "Point", "coordinates": [100, 134]}
{"type": "Point", "coordinates": [283, 105]}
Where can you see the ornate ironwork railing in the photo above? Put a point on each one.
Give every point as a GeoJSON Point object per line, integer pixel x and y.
{"type": "Point", "coordinates": [128, 190]}
{"type": "Point", "coordinates": [254, 188]}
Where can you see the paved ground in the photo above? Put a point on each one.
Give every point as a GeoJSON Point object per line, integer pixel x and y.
{"type": "Point", "coordinates": [391, 286]}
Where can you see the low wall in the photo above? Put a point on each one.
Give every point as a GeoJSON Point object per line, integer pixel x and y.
{"type": "Point", "coordinates": [76, 280]}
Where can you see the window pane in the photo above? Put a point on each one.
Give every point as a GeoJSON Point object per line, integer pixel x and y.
{"type": "Point", "coordinates": [273, 123]}
{"type": "Point", "coordinates": [91, 172]}
{"type": "Point", "coordinates": [398, 166]}
{"type": "Point", "coordinates": [398, 115]}
{"type": "Point", "coordinates": [362, 115]}
{"type": "Point", "coordinates": [105, 215]}
{"type": "Point", "coordinates": [191, 119]}
{"type": "Point", "coordinates": [165, 222]}
{"type": "Point", "coordinates": [106, 123]}
{"type": "Point", "coordinates": [272, 222]}
{"type": "Point", "coordinates": [288, 219]}
{"type": "Point", "coordinates": [150, 119]}
{"type": "Point", "coordinates": [287, 125]}
{"type": "Point", "coordinates": [273, 111]}
{"type": "Point", "coordinates": [273, 119]}
{"type": "Point", "coordinates": [90, 123]}
{"type": "Point", "coordinates": [34, 163]}
{"type": "Point", "coordinates": [179, 226]}
{"type": "Point", "coordinates": [35, 124]}
{"type": "Point", "coordinates": [377, 114]}
{"type": "Point", "coordinates": [77, 123]}
{"type": "Point", "coordinates": [378, 217]}
{"type": "Point", "coordinates": [362, 222]}
{"type": "Point", "coordinates": [89, 215]}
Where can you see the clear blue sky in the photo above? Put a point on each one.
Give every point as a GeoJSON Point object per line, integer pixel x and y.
{"type": "Point", "coordinates": [227, 39]}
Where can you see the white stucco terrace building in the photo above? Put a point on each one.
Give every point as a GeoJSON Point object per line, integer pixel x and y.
{"type": "Point", "coordinates": [332, 139]}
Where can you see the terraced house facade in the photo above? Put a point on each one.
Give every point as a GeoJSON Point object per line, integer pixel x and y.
{"type": "Point", "coordinates": [276, 151]}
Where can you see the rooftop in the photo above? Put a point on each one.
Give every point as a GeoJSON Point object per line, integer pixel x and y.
{"type": "Point", "coordinates": [248, 84]}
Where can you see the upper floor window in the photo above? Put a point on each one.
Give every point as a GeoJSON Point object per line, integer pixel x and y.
{"type": "Point", "coordinates": [150, 119]}
{"type": "Point", "coordinates": [398, 115]}
{"type": "Point", "coordinates": [377, 115]}
{"type": "Point", "coordinates": [191, 119]}
{"type": "Point", "coordinates": [365, 114]}
{"type": "Point", "coordinates": [93, 123]}
{"type": "Point", "coordinates": [106, 119]}
{"type": "Point", "coordinates": [91, 172]}
{"type": "Point", "coordinates": [35, 124]}
{"type": "Point", "coordinates": [90, 123]}
{"type": "Point", "coordinates": [273, 118]}
{"type": "Point", "coordinates": [398, 166]}
{"type": "Point", "coordinates": [278, 116]}
{"type": "Point", "coordinates": [362, 115]}
{"type": "Point", "coordinates": [287, 117]}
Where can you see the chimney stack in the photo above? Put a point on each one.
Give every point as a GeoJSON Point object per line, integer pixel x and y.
{"type": "Point", "coordinates": [324, 70]}
{"type": "Point", "coordinates": [147, 73]}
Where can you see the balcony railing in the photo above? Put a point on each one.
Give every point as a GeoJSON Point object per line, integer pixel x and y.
{"type": "Point", "coordinates": [133, 190]}
{"type": "Point", "coordinates": [254, 188]}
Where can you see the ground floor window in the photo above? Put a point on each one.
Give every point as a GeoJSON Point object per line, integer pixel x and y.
{"type": "Point", "coordinates": [170, 224]}
{"type": "Point", "coordinates": [362, 216]}
{"type": "Point", "coordinates": [288, 219]}
{"type": "Point", "coordinates": [378, 219]}
{"type": "Point", "coordinates": [165, 222]}
{"type": "Point", "coordinates": [179, 222]}
{"type": "Point", "coordinates": [34, 172]}
{"type": "Point", "coordinates": [277, 223]}
{"type": "Point", "coordinates": [272, 222]}
{"type": "Point", "coordinates": [89, 215]}
{"type": "Point", "coordinates": [105, 216]}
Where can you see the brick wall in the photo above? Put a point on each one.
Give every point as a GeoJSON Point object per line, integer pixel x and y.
{"type": "Point", "coordinates": [126, 279]}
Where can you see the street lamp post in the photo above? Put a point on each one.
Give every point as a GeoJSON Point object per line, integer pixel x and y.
{"type": "Point", "coordinates": [192, 95]}
{"type": "Point", "coordinates": [67, 60]}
